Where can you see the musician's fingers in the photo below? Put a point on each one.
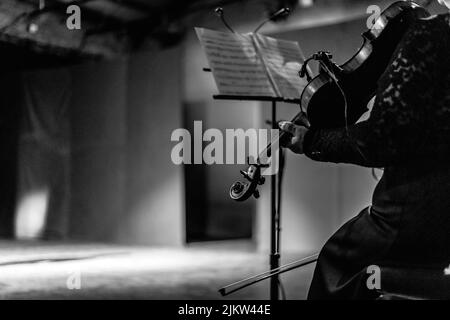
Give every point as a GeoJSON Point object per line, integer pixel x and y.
{"type": "Point", "coordinates": [288, 127]}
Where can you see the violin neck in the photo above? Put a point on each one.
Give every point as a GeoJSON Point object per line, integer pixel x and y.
{"type": "Point", "coordinates": [267, 152]}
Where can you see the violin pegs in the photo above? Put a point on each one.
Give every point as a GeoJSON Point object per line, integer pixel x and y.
{"type": "Point", "coordinates": [245, 174]}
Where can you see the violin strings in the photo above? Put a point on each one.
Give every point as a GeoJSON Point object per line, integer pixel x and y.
{"type": "Point", "coordinates": [277, 139]}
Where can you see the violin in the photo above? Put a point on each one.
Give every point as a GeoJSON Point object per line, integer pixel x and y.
{"type": "Point", "coordinates": [338, 96]}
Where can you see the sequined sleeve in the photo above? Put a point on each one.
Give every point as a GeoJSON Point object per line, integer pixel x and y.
{"type": "Point", "coordinates": [395, 131]}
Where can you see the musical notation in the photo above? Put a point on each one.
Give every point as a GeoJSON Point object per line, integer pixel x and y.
{"type": "Point", "coordinates": [283, 60]}
{"type": "Point", "coordinates": [236, 66]}
{"type": "Point", "coordinates": [253, 64]}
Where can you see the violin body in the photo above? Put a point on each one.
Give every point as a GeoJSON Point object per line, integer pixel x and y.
{"type": "Point", "coordinates": [322, 99]}
{"type": "Point", "coordinates": [338, 96]}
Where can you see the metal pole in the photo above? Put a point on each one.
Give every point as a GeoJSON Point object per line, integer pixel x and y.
{"type": "Point", "coordinates": [274, 247]}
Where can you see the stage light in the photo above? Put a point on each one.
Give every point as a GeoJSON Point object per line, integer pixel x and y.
{"type": "Point", "coordinates": [306, 3]}
{"type": "Point", "coordinates": [32, 28]}
{"type": "Point", "coordinates": [31, 214]}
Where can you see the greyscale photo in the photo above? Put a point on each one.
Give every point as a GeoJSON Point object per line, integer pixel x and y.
{"type": "Point", "coordinates": [231, 158]}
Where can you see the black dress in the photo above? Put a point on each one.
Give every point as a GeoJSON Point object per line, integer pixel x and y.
{"type": "Point", "coordinates": [407, 134]}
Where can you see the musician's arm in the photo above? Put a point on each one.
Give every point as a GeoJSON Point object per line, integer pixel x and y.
{"type": "Point", "coordinates": [397, 128]}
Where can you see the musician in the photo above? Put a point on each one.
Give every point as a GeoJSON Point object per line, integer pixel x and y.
{"type": "Point", "coordinates": [407, 134]}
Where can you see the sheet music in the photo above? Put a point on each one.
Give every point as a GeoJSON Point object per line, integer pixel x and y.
{"type": "Point", "coordinates": [283, 60]}
{"type": "Point", "coordinates": [236, 66]}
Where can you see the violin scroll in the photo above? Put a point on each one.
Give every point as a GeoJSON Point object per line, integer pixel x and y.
{"type": "Point", "coordinates": [241, 191]}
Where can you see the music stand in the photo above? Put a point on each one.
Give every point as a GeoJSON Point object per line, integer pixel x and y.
{"type": "Point", "coordinates": [275, 229]}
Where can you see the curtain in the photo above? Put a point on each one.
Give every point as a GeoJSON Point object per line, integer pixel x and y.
{"type": "Point", "coordinates": [44, 155]}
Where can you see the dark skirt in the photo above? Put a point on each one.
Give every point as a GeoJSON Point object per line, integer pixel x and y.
{"type": "Point", "coordinates": [341, 270]}
{"type": "Point", "coordinates": [371, 239]}
{"type": "Point", "coordinates": [407, 225]}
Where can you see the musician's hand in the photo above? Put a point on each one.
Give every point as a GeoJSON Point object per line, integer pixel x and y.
{"type": "Point", "coordinates": [297, 135]}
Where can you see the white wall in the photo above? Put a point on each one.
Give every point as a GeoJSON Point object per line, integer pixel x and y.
{"type": "Point", "coordinates": [98, 149]}
{"type": "Point", "coordinates": [125, 187]}
{"type": "Point", "coordinates": [154, 188]}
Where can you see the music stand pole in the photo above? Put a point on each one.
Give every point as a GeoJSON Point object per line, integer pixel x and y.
{"type": "Point", "coordinates": [275, 229]}
{"type": "Point", "coordinates": [275, 220]}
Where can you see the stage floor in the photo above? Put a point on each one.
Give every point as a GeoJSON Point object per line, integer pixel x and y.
{"type": "Point", "coordinates": [42, 270]}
